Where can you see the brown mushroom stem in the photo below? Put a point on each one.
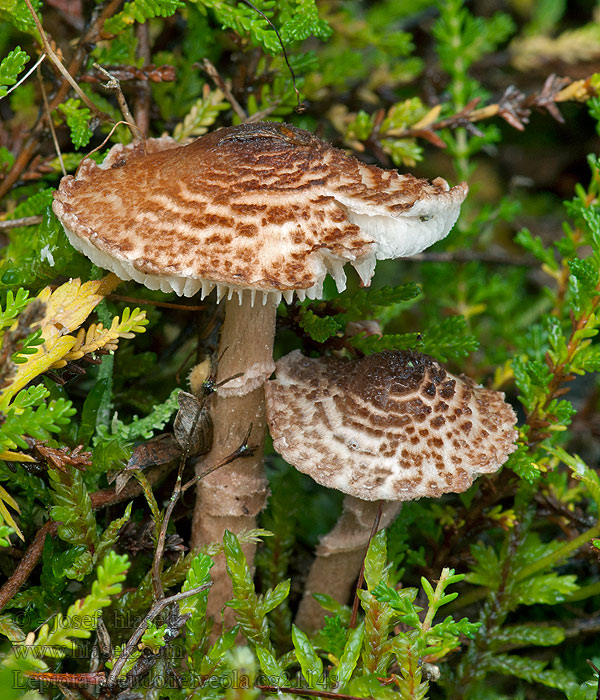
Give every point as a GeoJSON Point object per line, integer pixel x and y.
{"type": "Point", "coordinates": [339, 556]}
{"type": "Point", "coordinates": [231, 498]}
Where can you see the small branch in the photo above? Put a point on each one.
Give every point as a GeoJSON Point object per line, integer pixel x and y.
{"type": "Point", "coordinates": [142, 102]}
{"type": "Point", "coordinates": [51, 124]}
{"type": "Point", "coordinates": [219, 82]}
{"type": "Point", "coordinates": [159, 592]}
{"type": "Point", "coordinates": [114, 85]}
{"type": "Point", "coordinates": [59, 64]}
{"type": "Point", "coordinates": [465, 256]}
{"type": "Point", "coordinates": [263, 114]}
{"type": "Point", "coordinates": [147, 73]}
{"type": "Point", "coordinates": [16, 223]}
{"type": "Point", "coordinates": [155, 610]}
{"type": "Point", "coordinates": [84, 46]}
{"type": "Point", "coordinates": [244, 450]}
{"type": "Point", "coordinates": [27, 563]}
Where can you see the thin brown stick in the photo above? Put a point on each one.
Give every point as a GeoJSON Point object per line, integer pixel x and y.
{"type": "Point", "coordinates": [159, 591]}
{"type": "Point", "coordinates": [24, 221]}
{"type": "Point", "coordinates": [51, 123]}
{"type": "Point", "coordinates": [597, 670]}
{"type": "Point", "coordinates": [361, 575]}
{"type": "Point", "coordinates": [220, 83]}
{"type": "Point", "coordinates": [465, 256]}
{"type": "Point", "coordinates": [59, 64]}
{"type": "Point", "coordinates": [156, 609]}
{"type": "Point", "coordinates": [244, 450]}
{"type": "Point", "coordinates": [141, 106]}
{"type": "Point", "coordinates": [31, 144]}
{"type": "Point", "coordinates": [300, 108]}
{"type": "Point", "coordinates": [264, 113]}
{"type": "Point", "coordinates": [27, 563]}
{"type": "Point", "coordinates": [115, 85]}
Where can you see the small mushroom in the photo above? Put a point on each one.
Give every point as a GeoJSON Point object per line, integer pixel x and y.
{"type": "Point", "coordinates": [257, 211]}
{"type": "Point", "coordinates": [393, 426]}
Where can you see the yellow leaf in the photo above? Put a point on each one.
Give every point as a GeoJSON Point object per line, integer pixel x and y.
{"type": "Point", "coordinates": [429, 118]}
{"type": "Point", "coordinates": [9, 456]}
{"type": "Point", "coordinates": [66, 309]}
{"type": "Point", "coordinates": [71, 303]}
{"type": "Point", "coordinates": [46, 355]}
{"type": "Point", "coordinates": [5, 497]}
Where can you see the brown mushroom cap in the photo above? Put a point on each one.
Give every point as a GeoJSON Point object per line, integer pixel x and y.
{"type": "Point", "coordinates": [393, 426]}
{"type": "Point", "coordinates": [263, 206]}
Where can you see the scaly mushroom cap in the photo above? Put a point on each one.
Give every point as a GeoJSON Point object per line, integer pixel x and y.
{"type": "Point", "coordinates": [393, 426]}
{"type": "Point", "coordinates": [263, 206]}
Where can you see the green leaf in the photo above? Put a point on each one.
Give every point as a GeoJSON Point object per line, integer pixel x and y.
{"type": "Point", "coordinates": [449, 339]}
{"type": "Point", "coordinates": [401, 601]}
{"type": "Point", "coordinates": [319, 328]}
{"type": "Point", "coordinates": [523, 464]}
{"type": "Point", "coordinates": [376, 568]}
{"type": "Point", "coordinates": [28, 414]}
{"type": "Point", "coordinates": [72, 509]}
{"type": "Point", "coordinates": [548, 589]}
{"type": "Point", "coordinates": [515, 636]}
{"type": "Point", "coordinates": [530, 670]}
{"type": "Point", "coordinates": [269, 664]}
{"type": "Point", "coordinates": [18, 14]}
{"type": "Point", "coordinates": [89, 412]}
{"type": "Point", "coordinates": [82, 617]}
{"type": "Point", "coordinates": [248, 608]}
{"type": "Point", "coordinates": [10, 67]}
{"type": "Point", "coordinates": [310, 663]}
{"type": "Point", "coordinates": [332, 636]}
{"type": "Point", "coordinates": [140, 11]}
{"type": "Point", "coordinates": [273, 597]}
{"type": "Point", "coordinates": [580, 471]}
{"type": "Point", "coordinates": [362, 302]}
{"type": "Point", "coordinates": [143, 427]}
{"type": "Point", "coordinates": [111, 534]}
{"type": "Point", "coordinates": [14, 305]}
{"type": "Point", "coordinates": [78, 121]}
{"type": "Point", "coordinates": [369, 344]}
{"type": "Point", "coordinates": [246, 22]}
{"type": "Point", "coordinates": [533, 244]}
{"type": "Point", "coordinates": [487, 564]}
{"type": "Point", "coordinates": [349, 658]}
{"type": "Point", "coordinates": [302, 22]}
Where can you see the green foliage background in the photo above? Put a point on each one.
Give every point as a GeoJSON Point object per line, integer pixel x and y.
{"type": "Point", "coordinates": [510, 298]}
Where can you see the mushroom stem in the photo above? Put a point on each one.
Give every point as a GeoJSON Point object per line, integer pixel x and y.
{"type": "Point", "coordinates": [339, 556]}
{"type": "Point", "coordinates": [231, 498]}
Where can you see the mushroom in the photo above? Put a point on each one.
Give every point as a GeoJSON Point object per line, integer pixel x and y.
{"type": "Point", "coordinates": [257, 211]}
{"type": "Point", "coordinates": [392, 427]}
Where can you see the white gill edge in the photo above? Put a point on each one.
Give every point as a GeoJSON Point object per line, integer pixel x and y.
{"type": "Point", "coordinates": [188, 287]}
